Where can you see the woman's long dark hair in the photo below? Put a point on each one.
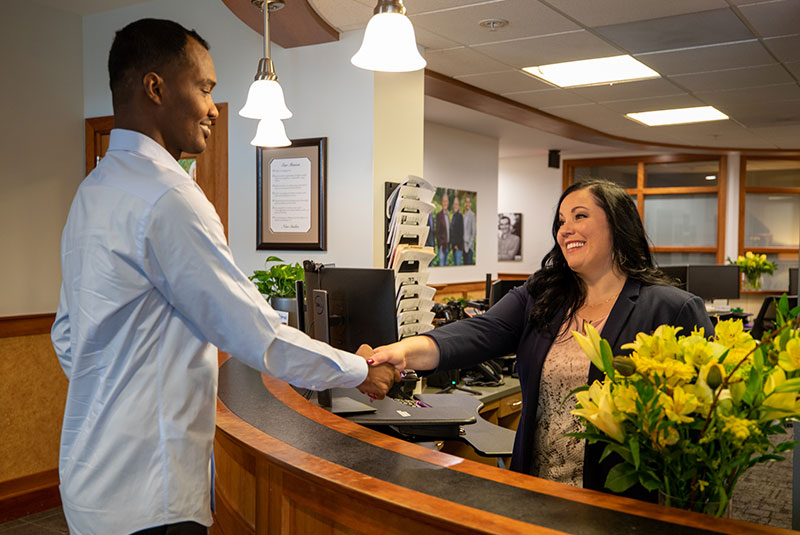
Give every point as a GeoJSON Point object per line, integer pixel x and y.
{"type": "Point", "coordinates": [555, 286]}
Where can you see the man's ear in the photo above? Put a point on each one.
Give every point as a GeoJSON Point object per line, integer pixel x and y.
{"type": "Point", "coordinates": [153, 87]}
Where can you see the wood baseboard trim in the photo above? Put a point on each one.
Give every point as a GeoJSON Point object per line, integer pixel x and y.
{"type": "Point", "coordinates": [26, 325]}
{"type": "Point", "coordinates": [28, 495]}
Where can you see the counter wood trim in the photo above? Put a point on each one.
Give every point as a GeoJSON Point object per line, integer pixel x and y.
{"type": "Point", "coordinates": [290, 482]}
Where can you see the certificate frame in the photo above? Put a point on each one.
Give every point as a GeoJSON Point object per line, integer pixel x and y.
{"type": "Point", "coordinates": [311, 236]}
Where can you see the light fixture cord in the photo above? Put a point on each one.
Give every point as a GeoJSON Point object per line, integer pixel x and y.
{"type": "Point", "coordinates": [265, 9]}
{"type": "Point", "coordinates": [266, 71]}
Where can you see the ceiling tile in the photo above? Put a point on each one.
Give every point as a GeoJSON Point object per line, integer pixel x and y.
{"type": "Point", "coordinates": [433, 41]}
{"type": "Point", "coordinates": [618, 11]}
{"type": "Point", "coordinates": [783, 136]}
{"type": "Point", "coordinates": [526, 19]}
{"type": "Point", "coordinates": [770, 19]}
{"type": "Point", "coordinates": [654, 103]}
{"type": "Point", "coordinates": [746, 77]}
{"type": "Point", "coordinates": [678, 31]}
{"type": "Point", "coordinates": [763, 114]}
{"type": "Point", "coordinates": [547, 97]}
{"type": "Point", "coordinates": [344, 15]}
{"type": "Point", "coordinates": [460, 61]}
{"type": "Point", "coordinates": [794, 68]}
{"type": "Point", "coordinates": [707, 58]}
{"type": "Point", "coordinates": [785, 48]}
{"type": "Point", "coordinates": [415, 7]}
{"type": "Point", "coordinates": [592, 115]}
{"type": "Point", "coordinates": [628, 90]}
{"type": "Point", "coordinates": [772, 93]}
{"type": "Point", "coordinates": [505, 82]}
{"type": "Point", "coordinates": [556, 48]}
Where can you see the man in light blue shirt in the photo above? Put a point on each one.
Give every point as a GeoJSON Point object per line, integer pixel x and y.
{"type": "Point", "coordinates": [150, 291]}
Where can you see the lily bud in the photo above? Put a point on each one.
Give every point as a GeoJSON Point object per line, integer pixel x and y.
{"type": "Point", "coordinates": [714, 376]}
{"type": "Point", "coordinates": [624, 365]}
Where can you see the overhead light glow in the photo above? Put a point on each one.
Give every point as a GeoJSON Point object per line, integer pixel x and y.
{"type": "Point", "coordinates": [389, 43]}
{"type": "Point", "coordinates": [711, 177]}
{"type": "Point", "coordinates": [593, 71]}
{"type": "Point", "coordinates": [677, 116]}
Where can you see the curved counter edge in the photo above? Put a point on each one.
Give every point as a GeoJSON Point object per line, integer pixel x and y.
{"type": "Point", "coordinates": [270, 480]}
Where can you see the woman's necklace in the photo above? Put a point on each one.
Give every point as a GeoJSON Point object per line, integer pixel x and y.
{"type": "Point", "coordinates": [586, 305]}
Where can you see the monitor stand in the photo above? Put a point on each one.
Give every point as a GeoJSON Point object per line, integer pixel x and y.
{"type": "Point", "coordinates": [337, 404]}
{"type": "Point", "coordinates": [341, 404]}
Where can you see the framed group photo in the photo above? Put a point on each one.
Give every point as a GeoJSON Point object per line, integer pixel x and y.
{"type": "Point", "coordinates": [291, 196]}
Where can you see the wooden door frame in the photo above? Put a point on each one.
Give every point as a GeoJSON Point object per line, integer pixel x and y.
{"type": "Point", "coordinates": [212, 164]}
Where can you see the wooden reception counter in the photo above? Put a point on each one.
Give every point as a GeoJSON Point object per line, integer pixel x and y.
{"type": "Point", "coordinates": [286, 466]}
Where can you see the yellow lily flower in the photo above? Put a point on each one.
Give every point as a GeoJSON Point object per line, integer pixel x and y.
{"type": "Point", "coordinates": [789, 358]}
{"type": "Point", "coordinates": [778, 405]}
{"type": "Point", "coordinates": [590, 343]}
{"type": "Point", "coordinates": [597, 407]}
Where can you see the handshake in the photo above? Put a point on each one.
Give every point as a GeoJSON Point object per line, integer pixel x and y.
{"type": "Point", "coordinates": [383, 371]}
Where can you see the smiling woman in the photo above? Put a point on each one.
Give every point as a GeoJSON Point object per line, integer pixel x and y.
{"type": "Point", "coordinates": [599, 271]}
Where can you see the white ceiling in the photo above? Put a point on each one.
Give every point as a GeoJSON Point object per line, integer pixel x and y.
{"type": "Point", "coordinates": [741, 56]}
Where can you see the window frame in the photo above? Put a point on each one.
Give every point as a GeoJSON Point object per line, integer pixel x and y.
{"type": "Point", "coordinates": [744, 189]}
{"type": "Point", "coordinates": [641, 191]}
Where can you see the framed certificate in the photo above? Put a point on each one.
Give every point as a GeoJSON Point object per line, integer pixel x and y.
{"type": "Point", "coordinates": [291, 196]}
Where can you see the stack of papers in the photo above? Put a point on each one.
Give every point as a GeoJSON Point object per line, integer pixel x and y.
{"type": "Point", "coordinates": [408, 210]}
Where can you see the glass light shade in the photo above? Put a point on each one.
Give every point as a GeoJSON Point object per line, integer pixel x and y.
{"type": "Point", "coordinates": [265, 101]}
{"type": "Point", "coordinates": [270, 133]}
{"type": "Point", "coordinates": [389, 45]}
{"type": "Point", "coordinates": [593, 71]}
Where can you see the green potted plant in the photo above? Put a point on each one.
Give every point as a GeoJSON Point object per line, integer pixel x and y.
{"type": "Point", "coordinates": [277, 284]}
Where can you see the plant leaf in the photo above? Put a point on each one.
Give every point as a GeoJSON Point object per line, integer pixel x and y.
{"type": "Point", "coordinates": [608, 358]}
{"type": "Point", "coordinates": [621, 477]}
{"type": "Point", "coordinates": [633, 443]}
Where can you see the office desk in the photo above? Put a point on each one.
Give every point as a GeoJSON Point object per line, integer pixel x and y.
{"type": "Point", "coordinates": [285, 465]}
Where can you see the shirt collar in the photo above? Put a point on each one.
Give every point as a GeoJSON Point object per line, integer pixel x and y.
{"type": "Point", "coordinates": [132, 141]}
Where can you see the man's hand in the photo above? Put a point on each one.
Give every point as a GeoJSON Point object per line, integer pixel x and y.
{"type": "Point", "coordinates": [379, 379]}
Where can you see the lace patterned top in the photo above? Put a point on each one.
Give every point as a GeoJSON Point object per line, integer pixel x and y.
{"type": "Point", "coordinates": [566, 367]}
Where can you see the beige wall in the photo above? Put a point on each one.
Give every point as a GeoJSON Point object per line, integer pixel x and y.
{"type": "Point", "coordinates": [41, 150]}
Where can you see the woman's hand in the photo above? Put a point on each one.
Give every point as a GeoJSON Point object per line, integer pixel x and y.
{"type": "Point", "coordinates": [416, 352]}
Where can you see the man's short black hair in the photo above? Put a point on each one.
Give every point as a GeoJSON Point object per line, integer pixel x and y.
{"type": "Point", "coordinates": [146, 45]}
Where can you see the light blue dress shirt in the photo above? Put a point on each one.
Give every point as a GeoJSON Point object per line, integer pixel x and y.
{"type": "Point", "coordinates": [149, 284]}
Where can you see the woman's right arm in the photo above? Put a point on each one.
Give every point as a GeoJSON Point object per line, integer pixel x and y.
{"type": "Point", "coordinates": [416, 352]}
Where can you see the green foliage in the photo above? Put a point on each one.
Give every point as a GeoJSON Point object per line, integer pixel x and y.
{"type": "Point", "coordinates": [279, 279]}
{"type": "Point", "coordinates": [691, 414]}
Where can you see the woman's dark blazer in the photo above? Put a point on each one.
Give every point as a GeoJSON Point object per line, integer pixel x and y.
{"type": "Point", "coordinates": [505, 330]}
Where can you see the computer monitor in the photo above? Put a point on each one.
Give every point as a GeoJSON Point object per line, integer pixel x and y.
{"type": "Point", "coordinates": [709, 281]}
{"type": "Point", "coordinates": [501, 288]}
{"type": "Point", "coordinates": [713, 281]}
{"type": "Point", "coordinates": [360, 305]}
{"type": "Point", "coordinates": [793, 281]}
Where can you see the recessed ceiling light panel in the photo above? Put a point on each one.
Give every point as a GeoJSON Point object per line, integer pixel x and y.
{"type": "Point", "coordinates": [678, 116]}
{"type": "Point", "coordinates": [597, 71]}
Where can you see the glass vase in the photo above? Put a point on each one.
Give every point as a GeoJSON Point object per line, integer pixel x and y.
{"type": "Point", "coordinates": [708, 507]}
{"type": "Point", "coordinates": [752, 282]}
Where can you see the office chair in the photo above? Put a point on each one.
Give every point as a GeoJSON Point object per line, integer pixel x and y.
{"type": "Point", "coordinates": [765, 320]}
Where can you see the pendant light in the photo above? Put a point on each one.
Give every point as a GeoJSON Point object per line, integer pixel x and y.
{"type": "Point", "coordinates": [270, 133]}
{"type": "Point", "coordinates": [389, 43]}
{"type": "Point", "coordinates": [265, 99]}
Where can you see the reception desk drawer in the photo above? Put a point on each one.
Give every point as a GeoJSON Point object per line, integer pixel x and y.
{"type": "Point", "coordinates": [510, 405]}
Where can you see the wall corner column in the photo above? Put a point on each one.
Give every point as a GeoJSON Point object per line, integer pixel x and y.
{"type": "Point", "coordinates": [399, 122]}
